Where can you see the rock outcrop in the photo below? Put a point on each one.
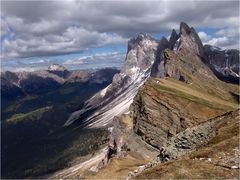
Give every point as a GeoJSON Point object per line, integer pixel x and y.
{"type": "Point", "coordinates": [184, 57]}
{"type": "Point", "coordinates": [205, 135]}
{"type": "Point", "coordinates": [187, 41]}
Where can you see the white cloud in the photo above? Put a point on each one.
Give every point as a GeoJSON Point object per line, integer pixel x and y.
{"type": "Point", "coordinates": [226, 38]}
{"type": "Point", "coordinates": [203, 36]}
{"type": "Point", "coordinates": [218, 41]}
{"type": "Point", "coordinates": [59, 27]}
{"type": "Point", "coordinates": [224, 42]}
{"type": "Point", "coordinates": [74, 39]}
{"type": "Point", "coordinates": [104, 57]}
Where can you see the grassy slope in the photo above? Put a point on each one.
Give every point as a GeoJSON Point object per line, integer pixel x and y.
{"type": "Point", "coordinates": [188, 91]}
{"type": "Point", "coordinates": [33, 115]}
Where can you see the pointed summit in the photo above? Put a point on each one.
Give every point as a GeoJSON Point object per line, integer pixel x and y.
{"type": "Point", "coordinates": [132, 43]}
{"type": "Point", "coordinates": [189, 41]}
{"type": "Point", "coordinates": [184, 28]}
{"type": "Point", "coordinates": [173, 38]}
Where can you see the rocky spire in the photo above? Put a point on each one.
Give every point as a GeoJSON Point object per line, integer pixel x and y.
{"type": "Point", "coordinates": [156, 67]}
{"type": "Point", "coordinates": [132, 43]}
{"type": "Point", "coordinates": [184, 29]}
{"type": "Point", "coordinates": [173, 39]}
{"type": "Point", "coordinates": [190, 41]}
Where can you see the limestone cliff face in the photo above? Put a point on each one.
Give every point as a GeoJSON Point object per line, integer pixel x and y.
{"type": "Point", "coordinates": [197, 136]}
{"type": "Point", "coordinates": [160, 111]}
{"type": "Point", "coordinates": [154, 120]}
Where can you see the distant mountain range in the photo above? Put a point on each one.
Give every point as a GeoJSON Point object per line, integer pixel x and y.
{"type": "Point", "coordinates": [17, 84]}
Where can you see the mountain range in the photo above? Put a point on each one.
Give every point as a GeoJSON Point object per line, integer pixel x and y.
{"type": "Point", "coordinates": [169, 104]}
{"type": "Point", "coordinates": [14, 84]}
{"type": "Point", "coordinates": [171, 112]}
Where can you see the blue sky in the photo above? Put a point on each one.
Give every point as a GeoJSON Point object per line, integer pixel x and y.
{"type": "Point", "coordinates": [56, 32]}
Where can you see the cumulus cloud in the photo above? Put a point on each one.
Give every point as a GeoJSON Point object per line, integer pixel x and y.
{"type": "Point", "coordinates": [203, 36]}
{"type": "Point", "coordinates": [39, 28]}
{"type": "Point", "coordinates": [226, 38]}
{"type": "Point", "coordinates": [73, 39]}
{"type": "Point", "coordinates": [102, 58]}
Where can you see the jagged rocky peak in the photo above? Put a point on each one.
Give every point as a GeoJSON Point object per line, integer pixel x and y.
{"type": "Point", "coordinates": [163, 44]}
{"type": "Point", "coordinates": [138, 40]}
{"type": "Point", "coordinates": [184, 29]}
{"type": "Point", "coordinates": [156, 69]}
{"type": "Point", "coordinates": [140, 56]}
{"type": "Point", "coordinates": [187, 41]}
{"type": "Point", "coordinates": [173, 38]}
{"type": "Point", "coordinates": [117, 97]}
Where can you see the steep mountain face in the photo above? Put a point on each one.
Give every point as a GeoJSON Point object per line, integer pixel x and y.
{"type": "Point", "coordinates": [224, 63]}
{"type": "Point", "coordinates": [117, 97]}
{"type": "Point", "coordinates": [158, 113]}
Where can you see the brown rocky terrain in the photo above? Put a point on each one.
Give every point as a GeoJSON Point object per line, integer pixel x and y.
{"type": "Point", "coordinates": [158, 112]}
{"type": "Point", "coordinates": [214, 147]}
